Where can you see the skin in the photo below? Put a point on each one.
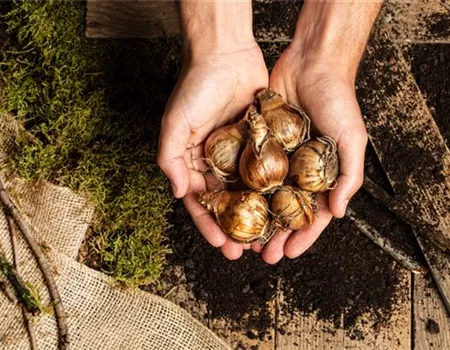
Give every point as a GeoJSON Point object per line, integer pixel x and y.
{"type": "Point", "coordinates": [223, 70]}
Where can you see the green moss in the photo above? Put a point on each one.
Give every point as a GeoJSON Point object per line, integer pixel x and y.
{"type": "Point", "coordinates": [25, 292]}
{"type": "Point", "coordinates": [93, 108]}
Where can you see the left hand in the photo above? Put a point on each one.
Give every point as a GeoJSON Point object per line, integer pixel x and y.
{"type": "Point", "coordinates": [327, 94]}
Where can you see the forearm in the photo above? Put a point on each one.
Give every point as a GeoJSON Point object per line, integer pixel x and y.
{"type": "Point", "coordinates": [216, 27]}
{"type": "Point", "coordinates": [335, 32]}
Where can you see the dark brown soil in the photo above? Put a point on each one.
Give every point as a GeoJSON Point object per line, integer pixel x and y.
{"type": "Point", "coordinates": [432, 326]}
{"type": "Point", "coordinates": [343, 272]}
{"type": "Point", "coordinates": [275, 19]}
{"type": "Point", "coordinates": [431, 66]}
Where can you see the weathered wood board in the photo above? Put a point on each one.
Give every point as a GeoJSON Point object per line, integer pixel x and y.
{"type": "Point", "coordinates": [307, 332]}
{"type": "Point", "coordinates": [232, 331]}
{"type": "Point", "coordinates": [431, 321]}
{"type": "Point", "coordinates": [417, 21]}
{"type": "Point", "coordinates": [131, 19]}
{"type": "Point", "coordinates": [402, 131]}
{"type": "Point", "coordinates": [409, 21]}
{"type": "Point", "coordinates": [237, 336]}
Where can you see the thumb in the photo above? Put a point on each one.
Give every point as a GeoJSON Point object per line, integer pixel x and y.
{"type": "Point", "coordinates": [174, 138]}
{"type": "Point", "coordinates": [351, 151]}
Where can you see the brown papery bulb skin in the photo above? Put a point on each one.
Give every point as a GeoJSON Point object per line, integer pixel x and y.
{"type": "Point", "coordinates": [263, 164]}
{"type": "Point", "coordinates": [292, 208]}
{"type": "Point", "coordinates": [242, 215]}
{"type": "Point", "coordinates": [315, 165]}
{"type": "Point", "coordinates": [223, 148]}
{"type": "Point", "coordinates": [290, 125]}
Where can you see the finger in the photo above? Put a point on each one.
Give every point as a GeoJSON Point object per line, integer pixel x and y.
{"type": "Point", "coordinates": [351, 151]}
{"type": "Point", "coordinates": [257, 247]}
{"type": "Point", "coordinates": [173, 142]}
{"type": "Point", "coordinates": [202, 218]}
{"type": "Point", "coordinates": [246, 246]}
{"type": "Point", "coordinates": [194, 158]}
{"type": "Point", "coordinates": [231, 250]}
{"type": "Point", "coordinates": [273, 251]}
{"type": "Point", "coordinates": [213, 183]}
{"type": "Point", "coordinates": [301, 240]}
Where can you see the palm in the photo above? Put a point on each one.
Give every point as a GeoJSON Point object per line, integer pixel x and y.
{"type": "Point", "coordinates": [209, 94]}
{"type": "Point", "coordinates": [330, 101]}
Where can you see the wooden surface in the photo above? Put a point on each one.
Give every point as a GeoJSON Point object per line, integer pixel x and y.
{"type": "Point", "coordinates": [236, 335]}
{"type": "Point", "coordinates": [419, 21]}
{"type": "Point", "coordinates": [396, 101]}
{"type": "Point", "coordinates": [429, 308]}
{"type": "Point", "coordinates": [393, 102]}
{"type": "Point", "coordinates": [307, 332]}
{"type": "Point", "coordinates": [399, 123]}
{"type": "Point", "coordinates": [131, 19]}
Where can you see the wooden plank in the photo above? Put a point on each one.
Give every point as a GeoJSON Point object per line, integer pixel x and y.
{"type": "Point", "coordinates": [236, 334]}
{"type": "Point", "coordinates": [403, 132]}
{"type": "Point", "coordinates": [307, 332]}
{"type": "Point", "coordinates": [395, 334]}
{"type": "Point", "coordinates": [131, 19]}
{"type": "Point", "coordinates": [419, 21]}
{"type": "Point", "coordinates": [233, 332]}
{"type": "Point", "coordinates": [431, 321]}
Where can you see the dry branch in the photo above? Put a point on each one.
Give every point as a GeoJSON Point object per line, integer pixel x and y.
{"type": "Point", "coordinates": [26, 315]}
{"type": "Point", "coordinates": [384, 243]}
{"type": "Point", "coordinates": [29, 236]}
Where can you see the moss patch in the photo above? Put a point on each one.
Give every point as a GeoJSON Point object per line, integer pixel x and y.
{"type": "Point", "coordinates": [93, 108]}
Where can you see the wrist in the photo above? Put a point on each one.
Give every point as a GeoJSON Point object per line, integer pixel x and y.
{"type": "Point", "coordinates": [333, 35]}
{"type": "Point", "coordinates": [216, 27]}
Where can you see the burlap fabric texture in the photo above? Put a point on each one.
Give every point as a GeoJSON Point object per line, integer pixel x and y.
{"type": "Point", "coordinates": [101, 315]}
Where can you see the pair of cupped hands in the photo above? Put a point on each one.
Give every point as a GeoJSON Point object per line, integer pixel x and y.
{"type": "Point", "coordinates": [214, 90]}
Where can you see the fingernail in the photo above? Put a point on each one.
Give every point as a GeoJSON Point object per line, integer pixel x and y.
{"type": "Point", "coordinates": [344, 206]}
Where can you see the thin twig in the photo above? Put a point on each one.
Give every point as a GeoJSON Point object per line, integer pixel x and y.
{"type": "Point", "coordinates": [384, 243]}
{"type": "Point", "coordinates": [26, 315]}
{"type": "Point", "coordinates": [29, 235]}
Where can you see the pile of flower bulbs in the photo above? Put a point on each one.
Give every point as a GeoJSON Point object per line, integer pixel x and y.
{"type": "Point", "coordinates": [270, 151]}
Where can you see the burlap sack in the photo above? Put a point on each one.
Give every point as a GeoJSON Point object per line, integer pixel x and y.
{"type": "Point", "coordinates": [101, 315]}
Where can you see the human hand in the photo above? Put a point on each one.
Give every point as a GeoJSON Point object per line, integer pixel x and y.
{"type": "Point", "coordinates": [218, 82]}
{"type": "Point", "coordinates": [329, 99]}
{"type": "Point", "coordinates": [317, 72]}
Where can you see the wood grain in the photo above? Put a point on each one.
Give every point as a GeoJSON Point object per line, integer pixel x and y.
{"type": "Point", "coordinates": [418, 21]}
{"type": "Point", "coordinates": [392, 335]}
{"type": "Point", "coordinates": [235, 332]}
{"type": "Point", "coordinates": [403, 131]}
{"type": "Point", "coordinates": [429, 310]}
{"type": "Point", "coordinates": [307, 332]}
{"type": "Point", "coordinates": [131, 19]}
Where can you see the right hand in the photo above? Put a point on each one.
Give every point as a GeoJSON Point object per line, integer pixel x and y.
{"type": "Point", "coordinates": [212, 91]}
